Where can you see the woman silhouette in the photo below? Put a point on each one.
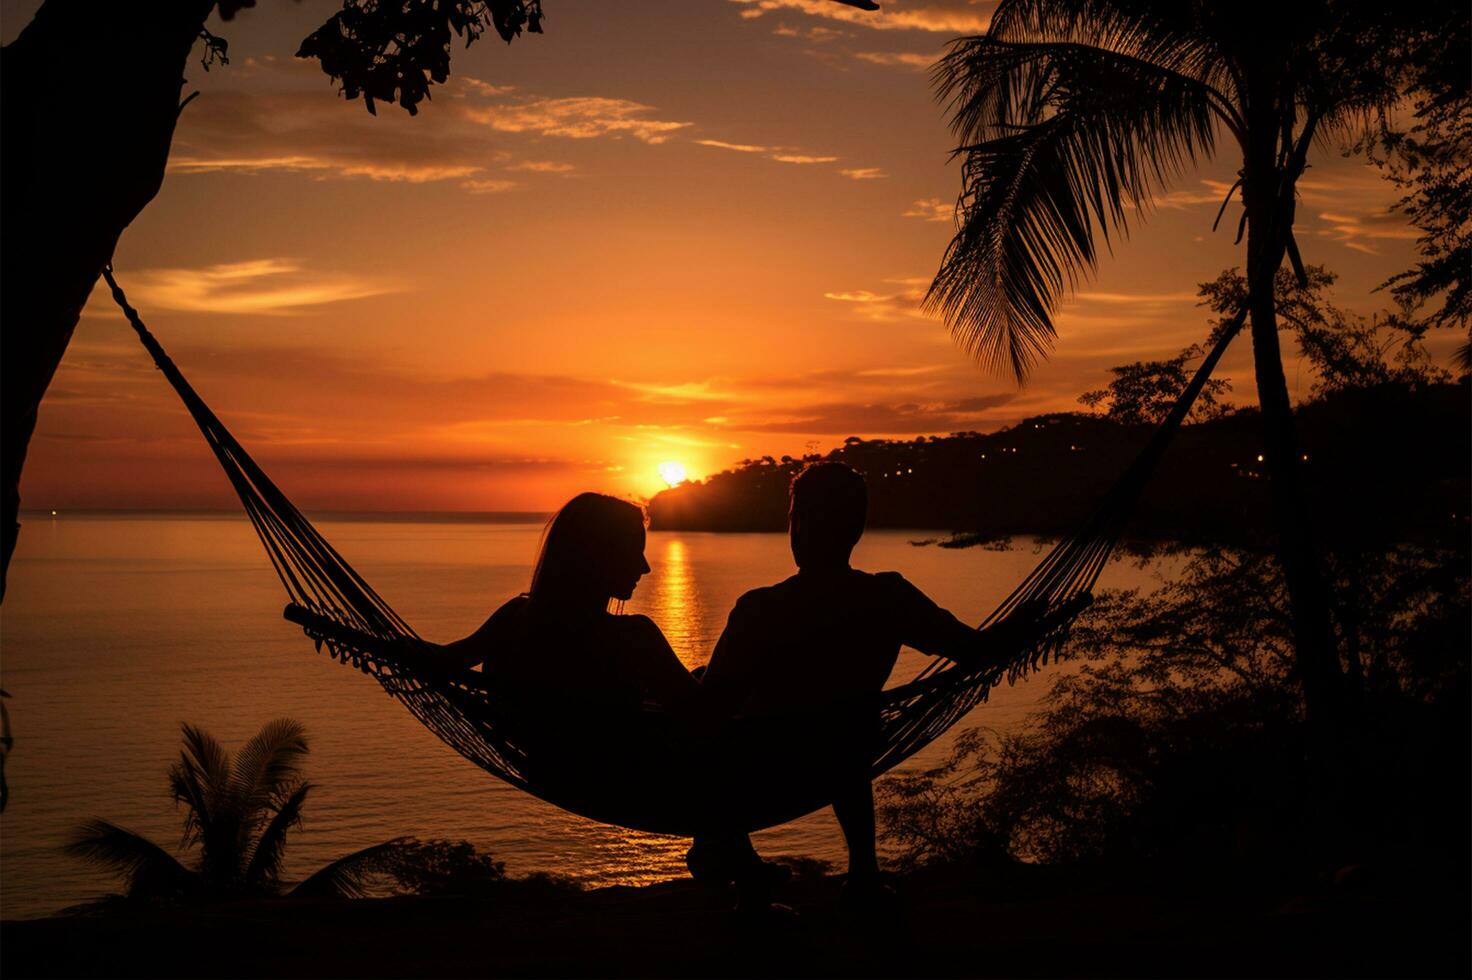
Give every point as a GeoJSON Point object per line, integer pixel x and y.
{"type": "Point", "coordinates": [559, 642]}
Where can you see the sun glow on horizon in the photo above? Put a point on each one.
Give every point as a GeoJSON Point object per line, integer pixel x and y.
{"type": "Point", "coordinates": [673, 473]}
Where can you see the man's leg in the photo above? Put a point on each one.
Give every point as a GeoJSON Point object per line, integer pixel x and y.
{"type": "Point", "coordinates": [853, 805]}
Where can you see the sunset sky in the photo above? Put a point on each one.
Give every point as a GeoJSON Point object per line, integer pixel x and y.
{"type": "Point", "coordinates": [666, 230]}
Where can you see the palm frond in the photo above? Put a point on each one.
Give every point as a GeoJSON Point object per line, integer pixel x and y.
{"type": "Point", "coordinates": [1166, 33]}
{"type": "Point", "coordinates": [263, 870]}
{"type": "Point", "coordinates": [1076, 137]}
{"type": "Point", "coordinates": [349, 875]}
{"type": "Point", "coordinates": [200, 780]}
{"type": "Point", "coordinates": [267, 768]}
{"type": "Point", "coordinates": [148, 870]}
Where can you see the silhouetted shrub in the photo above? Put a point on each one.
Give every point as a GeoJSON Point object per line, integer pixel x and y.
{"type": "Point", "coordinates": [445, 867]}
{"type": "Point", "coordinates": [1179, 733]}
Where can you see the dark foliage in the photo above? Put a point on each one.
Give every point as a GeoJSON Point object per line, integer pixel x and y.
{"type": "Point", "coordinates": [1142, 393]}
{"type": "Point", "coordinates": [237, 813]}
{"type": "Point", "coordinates": [1427, 152]}
{"type": "Point", "coordinates": [394, 52]}
{"type": "Point", "coordinates": [1179, 739]}
{"type": "Point", "coordinates": [445, 867]}
{"type": "Point", "coordinates": [1072, 114]}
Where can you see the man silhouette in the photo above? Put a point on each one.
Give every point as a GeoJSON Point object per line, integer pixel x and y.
{"type": "Point", "coordinates": [828, 635]}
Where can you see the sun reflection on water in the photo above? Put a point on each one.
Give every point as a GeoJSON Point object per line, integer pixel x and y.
{"type": "Point", "coordinates": [676, 603]}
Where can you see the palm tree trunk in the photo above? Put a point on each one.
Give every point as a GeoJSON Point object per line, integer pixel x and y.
{"type": "Point", "coordinates": [1269, 217]}
{"type": "Point", "coordinates": [91, 97]}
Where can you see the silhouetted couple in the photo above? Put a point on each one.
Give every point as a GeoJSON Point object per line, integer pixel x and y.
{"type": "Point", "coordinates": [827, 636]}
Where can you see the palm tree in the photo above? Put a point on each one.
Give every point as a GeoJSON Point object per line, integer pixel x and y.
{"type": "Point", "coordinates": [1073, 113]}
{"type": "Point", "coordinates": [237, 813]}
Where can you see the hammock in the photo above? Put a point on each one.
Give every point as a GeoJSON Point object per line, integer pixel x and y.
{"type": "Point", "coordinates": [647, 775]}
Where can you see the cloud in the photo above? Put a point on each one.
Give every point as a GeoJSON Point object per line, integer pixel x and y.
{"type": "Point", "coordinates": [285, 124]}
{"type": "Point", "coordinates": [411, 173]}
{"type": "Point", "coordinates": [903, 304]}
{"type": "Point", "coordinates": [799, 158]}
{"type": "Point", "coordinates": [953, 17]}
{"type": "Point", "coordinates": [898, 59]}
{"type": "Point", "coordinates": [264, 287]}
{"type": "Point", "coordinates": [577, 117]}
{"type": "Point", "coordinates": [543, 167]}
{"type": "Point", "coordinates": [1212, 192]}
{"type": "Point", "coordinates": [1138, 299]}
{"type": "Point", "coordinates": [480, 185]}
{"type": "Point", "coordinates": [864, 173]}
{"type": "Point", "coordinates": [880, 418]}
{"type": "Point", "coordinates": [1360, 229]}
{"type": "Point", "coordinates": [816, 33]}
{"type": "Point", "coordinates": [471, 139]}
{"type": "Point", "coordinates": [932, 209]}
{"type": "Point", "coordinates": [777, 153]}
{"type": "Point", "coordinates": [737, 147]}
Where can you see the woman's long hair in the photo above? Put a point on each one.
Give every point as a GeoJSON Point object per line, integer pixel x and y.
{"type": "Point", "coordinates": [586, 543]}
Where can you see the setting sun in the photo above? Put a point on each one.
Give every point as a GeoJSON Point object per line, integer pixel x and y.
{"type": "Point", "coordinates": [672, 473]}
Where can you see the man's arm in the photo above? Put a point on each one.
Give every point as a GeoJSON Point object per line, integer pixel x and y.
{"type": "Point", "coordinates": [935, 631]}
{"type": "Point", "coordinates": [730, 676]}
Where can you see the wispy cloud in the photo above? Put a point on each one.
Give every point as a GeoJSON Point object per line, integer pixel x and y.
{"type": "Point", "coordinates": [1207, 192]}
{"type": "Point", "coordinates": [322, 165]}
{"type": "Point", "coordinates": [816, 33]}
{"type": "Point", "coordinates": [1138, 299]}
{"type": "Point", "coordinates": [898, 59]}
{"type": "Point", "coordinates": [488, 185]}
{"type": "Point", "coordinates": [891, 305]}
{"type": "Point", "coordinates": [940, 16]}
{"type": "Point", "coordinates": [864, 173]}
{"type": "Point", "coordinates": [1361, 229]}
{"type": "Point", "coordinates": [578, 117]}
{"type": "Point", "coordinates": [931, 209]}
{"type": "Point", "coordinates": [800, 158]}
{"type": "Point", "coordinates": [778, 153]}
{"type": "Point", "coordinates": [883, 417]}
{"type": "Point", "coordinates": [543, 167]}
{"type": "Point", "coordinates": [269, 287]}
{"type": "Point", "coordinates": [736, 147]}
{"type": "Point", "coordinates": [473, 138]}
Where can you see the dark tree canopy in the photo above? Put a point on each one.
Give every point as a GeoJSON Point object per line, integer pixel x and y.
{"type": "Point", "coordinates": [395, 52]}
{"type": "Point", "coordinates": [1427, 152]}
{"type": "Point", "coordinates": [1142, 393]}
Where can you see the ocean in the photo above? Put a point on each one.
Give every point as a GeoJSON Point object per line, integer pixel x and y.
{"type": "Point", "coordinates": [118, 627]}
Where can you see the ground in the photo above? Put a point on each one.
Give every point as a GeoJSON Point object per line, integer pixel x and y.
{"type": "Point", "coordinates": [951, 923]}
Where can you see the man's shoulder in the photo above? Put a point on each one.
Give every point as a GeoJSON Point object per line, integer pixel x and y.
{"type": "Point", "coordinates": [765, 595]}
{"type": "Point", "coordinates": [886, 581]}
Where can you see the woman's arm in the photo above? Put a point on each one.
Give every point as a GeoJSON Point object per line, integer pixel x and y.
{"type": "Point", "coordinates": [657, 667]}
{"type": "Point", "coordinates": [472, 650]}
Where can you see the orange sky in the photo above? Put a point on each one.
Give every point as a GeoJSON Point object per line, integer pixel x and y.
{"type": "Point", "coordinates": [688, 230]}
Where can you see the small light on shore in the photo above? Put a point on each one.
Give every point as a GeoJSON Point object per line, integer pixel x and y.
{"type": "Point", "coordinates": [53, 513]}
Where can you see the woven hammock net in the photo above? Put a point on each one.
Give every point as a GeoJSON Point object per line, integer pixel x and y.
{"type": "Point", "coordinates": [645, 780]}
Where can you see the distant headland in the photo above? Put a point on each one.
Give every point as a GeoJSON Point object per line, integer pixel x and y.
{"type": "Point", "coordinates": [1364, 449]}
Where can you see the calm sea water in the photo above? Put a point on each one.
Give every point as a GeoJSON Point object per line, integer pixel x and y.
{"type": "Point", "coordinates": [117, 628]}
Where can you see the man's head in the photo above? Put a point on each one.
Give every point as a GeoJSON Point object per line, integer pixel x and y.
{"type": "Point", "coordinates": [826, 516]}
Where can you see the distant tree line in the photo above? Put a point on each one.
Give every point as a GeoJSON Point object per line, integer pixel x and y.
{"type": "Point", "coordinates": [1384, 432]}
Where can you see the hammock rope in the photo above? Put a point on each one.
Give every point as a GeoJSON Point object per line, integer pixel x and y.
{"type": "Point", "coordinates": [340, 611]}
